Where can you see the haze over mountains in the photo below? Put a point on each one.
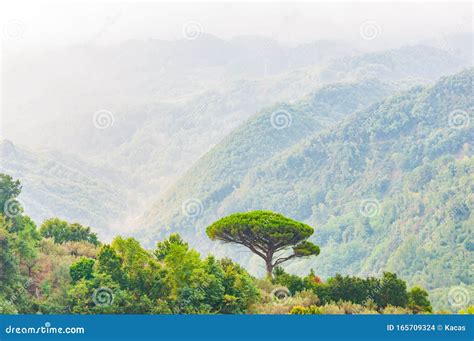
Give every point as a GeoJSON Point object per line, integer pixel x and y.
{"type": "Point", "coordinates": [168, 103]}
{"type": "Point", "coordinates": [155, 137]}
{"type": "Point", "coordinates": [389, 188]}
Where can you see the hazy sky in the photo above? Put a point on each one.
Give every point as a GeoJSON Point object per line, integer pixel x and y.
{"type": "Point", "coordinates": [42, 23]}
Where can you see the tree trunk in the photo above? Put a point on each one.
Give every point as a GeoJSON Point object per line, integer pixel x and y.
{"type": "Point", "coordinates": [269, 266]}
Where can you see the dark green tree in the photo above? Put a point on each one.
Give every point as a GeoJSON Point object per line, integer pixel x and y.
{"type": "Point", "coordinates": [9, 190]}
{"type": "Point", "coordinates": [82, 269]}
{"type": "Point", "coordinates": [9, 267]}
{"type": "Point", "coordinates": [267, 234]}
{"type": "Point", "coordinates": [292, 282]}
{"type": "Point", "coordinates": [61, 232]}
{"type": "Point", "coordinates": [389, 290]}
{"type": "Point", "coordinates": [110, 263]}
{"type": "Point", "coordinates": [418, 301]}
{"type": "Point", "coordinates": [348, 288]}
{"type": "Point", "coordinates": [165, 247]}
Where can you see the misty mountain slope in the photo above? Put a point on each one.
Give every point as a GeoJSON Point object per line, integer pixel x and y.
{"type": "Point", "coordinates": [219, 172]}
{"type": "Point", "coordinates": [155, 134]}
{"type": "Point", "coordinates": [60, 185]}
{"type": "Point", "coordinates": [174, 134]}
{"type": "Point", "coordinates": [409, 62]}
{"type": "Point", "coordinates": [65, 87]}
{"type": "Point", "coordinates": [67, 84]}
{"type": "Point", "coordinates": [390, 188]}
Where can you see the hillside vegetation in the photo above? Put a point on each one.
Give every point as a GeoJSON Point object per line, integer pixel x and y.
{"type": "Point", "coordinates": [165, 109]}
{"type": "Point", "coordinates": [390, 188]}
{"type": "Point", "coordinates": [63, 268]}
{"type": "Point", "coordinates": [57, 184]}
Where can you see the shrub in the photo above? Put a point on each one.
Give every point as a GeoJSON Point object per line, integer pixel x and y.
{"type": "Point", "coordinates": [271, 305]}
{"type": "Point", "coordinates": [299, 310]}
{"type": "Point", "coordinates": [469, 310]}
{"type": "Point", "coordinates": [350, 308]}
{"type": "Point", "coordinates": [391, 310]}
{"type": "Point", "coordinates": [332, 309]}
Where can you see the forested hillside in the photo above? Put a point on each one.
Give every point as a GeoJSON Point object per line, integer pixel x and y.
{"type": "Point", "coordinates": [263, 136]}
{"type": "Point", "coordinates": [61, 267]}
{"type": "Point", "coordinates": [57, 184]}
{"type": "Point", "coordinates": [171, 134]}
{"type": "Point", "coordinates": [168, 112]}
{"type": "Point", "coordinates": [390, 187]}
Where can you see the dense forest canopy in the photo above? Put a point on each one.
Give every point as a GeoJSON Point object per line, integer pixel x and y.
{"type": "Point", "coordinates": [388, 188]}
{"type": "Point", "coordinates": [63, 268]}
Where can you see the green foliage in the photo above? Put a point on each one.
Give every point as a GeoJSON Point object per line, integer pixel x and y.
{"type": "Point", "coordinates": [9, 190]}
{"type": "Point", "coordinates": [219, 173]}
{"type": "Point", "coordinates": [374, 293]}
{"type": "Point", "coordinates": [292, 282]}
{"type": "Point", "coordinates": [402, 154]}
{"type": "Point", "coordinates": [349, 288]}
{"type": "Point", "coordinates": [110, 263]}
{"type": "Point", "coordinates": [299, 310]}
{"type": "Point", "coordinates": [166, 247]}
{"type": "Point", "coordinates": [240, 291]}
{"type": "Point", "coordinates": [390, 290]}
{"type": "Point", "coordinates": [265, 233]}
{"type": "Point", "coordinates": [469, 310]}
{"type": "Point", "coordinates": [82, 269]}
{"type": "Point", "coordinates": [62, 232]}
{"type": "Point", "coordinates": [9, 265]}
{"type": "Point", "coordinates": [418, 301]}
{"type": "Point", "coordinates": [176, 280]}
